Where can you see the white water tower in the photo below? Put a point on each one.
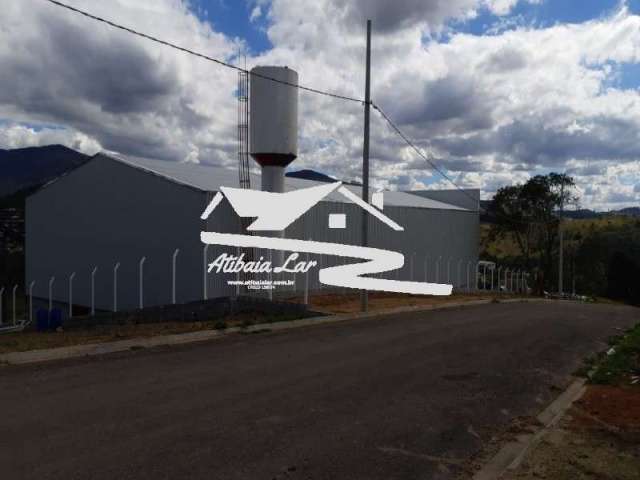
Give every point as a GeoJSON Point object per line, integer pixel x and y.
{"type": "Point", "coordinates": [273, 124]}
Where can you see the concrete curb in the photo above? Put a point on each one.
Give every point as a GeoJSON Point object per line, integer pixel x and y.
{"type": "Point", "coordinates": [77, 351]}
{"type": "Point", "coordinates": [512, 454]}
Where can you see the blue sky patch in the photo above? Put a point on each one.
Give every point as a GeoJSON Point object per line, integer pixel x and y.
{"type": "Point", "coordinates": [231, 17]}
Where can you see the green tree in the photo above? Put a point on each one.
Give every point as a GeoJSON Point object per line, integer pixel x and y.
{"type": "Point", "coordinates": [622, 279]}
{"type": "Point", "coordinates": [529, 214]}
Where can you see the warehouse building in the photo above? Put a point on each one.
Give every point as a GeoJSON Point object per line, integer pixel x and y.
{"type": "Point", "coordinates": [117, 227]}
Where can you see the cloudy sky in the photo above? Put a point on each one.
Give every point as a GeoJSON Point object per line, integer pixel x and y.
{"type": "Point", "coordinates": [498, 90]}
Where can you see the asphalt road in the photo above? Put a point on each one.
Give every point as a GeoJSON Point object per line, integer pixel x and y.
{"type": "Point", "coordinates": [409, 396]}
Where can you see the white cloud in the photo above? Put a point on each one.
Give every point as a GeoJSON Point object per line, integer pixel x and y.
{"type": "Point", "coordinates": [19, 136]}
{"type": "Point", "coordinates": [127, 93]}
{"type": "Point", "coordinates": [256, 13]}
{"type": "Point", "coordinates": [504, 7]}
{"type": "Point", "coordinates": [496, 108]}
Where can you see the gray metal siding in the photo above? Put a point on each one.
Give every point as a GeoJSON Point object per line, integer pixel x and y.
{"type": "Point", "coordinates": [429, 235]}
{"type": "Point", "coordinates": [467, 198]}
{"type": "Point", "coordinates": [445, 238]}
{"type": "Point", "coordinates": [106, 212]}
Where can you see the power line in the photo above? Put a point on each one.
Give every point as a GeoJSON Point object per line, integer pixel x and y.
{"type": "Point", "coordinates": [419, 151]}
{"type": "Point", "coordinates": [435, 167]}
{"type": "Point", "coordinates": [265, 77]}
{"type": "Point", "coordinates": [243, 70]}
{"type": "Point", "coordinates": [200, 55]}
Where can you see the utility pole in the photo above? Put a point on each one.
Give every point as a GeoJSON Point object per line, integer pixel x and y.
{"type": "Point", "coordinates": [364, 296]}
{"type": "Point", "coordinates": [561, 235]}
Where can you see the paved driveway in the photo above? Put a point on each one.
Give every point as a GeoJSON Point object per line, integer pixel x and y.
{"type": "Point", "coordinates": [410, 396]}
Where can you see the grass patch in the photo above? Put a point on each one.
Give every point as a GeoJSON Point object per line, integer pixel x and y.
{"type": "Point", "coordinates": [620, 364]}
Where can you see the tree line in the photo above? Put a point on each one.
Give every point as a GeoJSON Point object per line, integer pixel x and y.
{"type": "Point", "coordinates": [600, 262]}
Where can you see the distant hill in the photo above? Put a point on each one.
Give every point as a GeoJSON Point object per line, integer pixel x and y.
{"type": "Point", "coordinates": [311, 175]}
{"type": "Point", "coordinates": [582, 214]}
{"type": "Point", "coordinates": [317, 177]}
{"type": "Point", "coordinates": [25, 168]}
{"type": "Point", "coordinates": [17, 199]}
{"type": "Point", "coordinates": [631, 211]}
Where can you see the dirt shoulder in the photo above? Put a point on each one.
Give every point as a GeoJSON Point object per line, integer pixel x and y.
{"type": "Point", "coordinates": [599, 438]}
{"type": "Point", "coordinates": [380, 301]}
{"type": "Point", "coordinates": [325, 304]}
{"type": "Point", "coordinates": [33, 340]}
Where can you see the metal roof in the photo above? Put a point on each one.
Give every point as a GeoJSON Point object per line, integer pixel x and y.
{"type": "Point", "coordinates": [209, 179]}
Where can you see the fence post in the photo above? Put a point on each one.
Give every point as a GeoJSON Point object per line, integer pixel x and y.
{"type": "Point", "coordinates": [484, 276]}
{"type": "Point", "coordinates": [173, 275]}
{"type": "Point", "coordinates": [493, 269]}
{"type": "Point", "coordinates": [71, 277]}
{"type": "Point", "coordinates": [237, 285]}
{"type": "Point", "coordinates": [31, 285]}
{"type": "Point", "coordinates": [141, 282]}
{"type": "Point", "coordinates": [205, 259]}
{"type": "Point", "coordinates": [449, 271]}
{"type": "Point", "coordinates": [51, 282]}
{"type": "Point", "coordinates": [413, 255]}
{"type": "Point", "coordinates": [13, 294]}
{"type": "Point", "coordinates": [115, 286]}
{"type": "Point", "coordinates": [271, 276]}
{"type": "Point", "coordinates": [426, 265]}
{"type": "Point", "coordinates": [306, 284]}
{"type": "Point", "coordinates": [93, 291]}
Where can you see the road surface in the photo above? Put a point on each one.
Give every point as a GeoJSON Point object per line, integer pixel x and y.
{"type": "Point", "coordinates": [409, 396]}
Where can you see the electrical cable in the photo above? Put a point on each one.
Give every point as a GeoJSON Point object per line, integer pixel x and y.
{"type": "Point", "coordinates": [435, 167]}
{"type": "Point", "coordinates": [265, 77]}
{"type": "Point", "coordinates": [419, 151]}
{"type": "Point", "coordinates": [200, 55]}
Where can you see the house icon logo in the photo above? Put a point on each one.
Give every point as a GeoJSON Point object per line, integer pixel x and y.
{"type": "Point", "coordinates": [274, 212]}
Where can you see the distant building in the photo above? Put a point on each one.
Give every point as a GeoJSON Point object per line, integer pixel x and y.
{"type": "Point", "coordinates": [114, 210]}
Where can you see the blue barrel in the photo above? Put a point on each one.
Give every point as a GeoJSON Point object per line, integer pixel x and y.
{"type": "Point", "coordinates": [42, 320]}
{"type": "Point", "coordinates": [55, 319]}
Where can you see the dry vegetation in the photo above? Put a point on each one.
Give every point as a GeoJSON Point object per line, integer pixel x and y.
{"type": "Point", "coordinates": [379, 302]}
{"type": "Point", "coordinates": [575, 231]}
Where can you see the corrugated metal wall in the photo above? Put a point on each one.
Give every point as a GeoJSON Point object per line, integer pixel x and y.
{"type": "Point", "coordinates": [107, 212]}
{"type": "Point", "coordinates": [438, 245]}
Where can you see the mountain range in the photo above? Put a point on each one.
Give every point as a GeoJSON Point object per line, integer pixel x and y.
{"type": "Point", "coordinates": [26, 168]}
{"type": "Point", "coordinates": [23, 170]}
{"type": "Point", "coordinates": [581, 214]}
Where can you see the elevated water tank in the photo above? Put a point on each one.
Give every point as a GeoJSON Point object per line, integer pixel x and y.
{"type": "Point", "coordinates": [273, 124]}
